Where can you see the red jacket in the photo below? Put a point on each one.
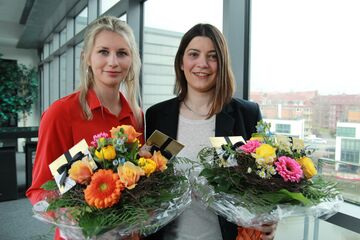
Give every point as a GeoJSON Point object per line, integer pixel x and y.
{"type": "Point", "coordinates": [62, 126]}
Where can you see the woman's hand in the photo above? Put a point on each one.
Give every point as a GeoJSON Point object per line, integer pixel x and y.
{"type": "Point", "coordinates": [133, 236]}
{"type": "Point", "coordinates": [268, 231]}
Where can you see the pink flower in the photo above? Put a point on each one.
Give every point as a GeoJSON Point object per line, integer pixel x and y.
{"type": "Point", "coordinates": [250, 146]}
{"type": "Point", "coordinates": [96, 137]}
{"type": "Point", "coordinates": [289, 169]}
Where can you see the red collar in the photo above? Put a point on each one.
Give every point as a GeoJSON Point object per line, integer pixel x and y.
{"type": "Point", "coordinates": [94, 103]}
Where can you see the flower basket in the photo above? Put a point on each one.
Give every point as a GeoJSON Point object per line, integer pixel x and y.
{"type": "Point", "coordinates": [264, 180]}
{"type": "Point", "coordinates": [151, 220]}
{"type": "Point", "coordinates": [113, 189]}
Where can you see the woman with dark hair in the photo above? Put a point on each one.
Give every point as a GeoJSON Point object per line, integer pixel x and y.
{"type": "Point", "coordinates": [204, 107]}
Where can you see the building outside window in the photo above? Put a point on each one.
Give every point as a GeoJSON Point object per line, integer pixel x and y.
{"type": "Point", "coordinates": [282, 128]}
{"type": "Point", "coordinates": [162, 34]}
{"type": "Point", "coordinates": [299, 71]}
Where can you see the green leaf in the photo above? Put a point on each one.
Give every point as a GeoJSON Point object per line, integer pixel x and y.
{"type": "Point", "coordinates": [284, 196]}
{"type": "Point", "coordinates": [207, 172]}
{"type": "Point", "coordinates": [49, 185]}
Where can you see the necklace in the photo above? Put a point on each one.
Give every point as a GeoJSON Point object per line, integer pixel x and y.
{"type": "Point", "coordinates": [196, 113]}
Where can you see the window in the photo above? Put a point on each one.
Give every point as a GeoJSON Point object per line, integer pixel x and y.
{"type": "Point", "coordinates": [123, 18]}
{"type": "Point", "coordinates": [78, 49]}
{"type": "Point", "coordinates": [63, 75]}
{"type": "Point", "coordinates": [345, 132]}
{"type": "Point", "coordinates": [63, 37]}
{"type": "Point", "coordinates": [46, 50]}
{"type": "Point", "coordinates": [106, 5]}
{"type": "Point", "coordinates": [303, 55]}
{"type": "Point", "coordinates": [162, 38]}
{"type": "Point", "coordinates": [282, 128]}
{"type": "Point", "coordinates": [81, 20]}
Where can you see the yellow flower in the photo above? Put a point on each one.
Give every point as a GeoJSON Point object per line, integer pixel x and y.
{"type": "Point", "coordinates": [266, 153]}
{"type": "Point", "coordinates": [308, 167]}
{"type": "Point", "coordinates": [160, 161]}
{"type": "Point", "coordinates": [107, 153]}
{"type": "Point", "coordinates": [148, 165]}
{"type": "Point", "coordinates": [258, 138]}
{"type": "Point", "coordinates": [81, 172]}
{"type": "Point", "coordinates": [102, 140]}
{"type": "Point", "coordinates": [129, 174]}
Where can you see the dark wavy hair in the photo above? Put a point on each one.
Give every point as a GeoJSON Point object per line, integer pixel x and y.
{"type": "Point", "coordinates": [225, 82]}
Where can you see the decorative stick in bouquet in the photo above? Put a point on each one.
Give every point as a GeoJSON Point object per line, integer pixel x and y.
{"type": "Point", "coordinates": [263, 180]}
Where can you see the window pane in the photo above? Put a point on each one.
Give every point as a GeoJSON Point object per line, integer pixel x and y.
{"type": "Point", "coordinates": [162, 33]}
{"type": "Point", "coordinates": [78, 49]}
{"type": "Point", "coordinates": [63, 75]}
{"type": "Point", "coordinates": [106, 5]}
{"type": "Point", "coordinates": [63, 37]}
{"type": "Point", "coordinates": [305, 66]}
{"type": "Point", "coordinates": [46, 50]}
{"type": "Point", "coordinates": [81, 20]}
{"type": "Point", "coordinates": [123, 18]}
{"type": "Point", "coordinates": [51, 46]}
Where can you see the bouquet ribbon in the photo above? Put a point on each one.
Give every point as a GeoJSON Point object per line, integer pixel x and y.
{"type": "Point", "coordinates": [163, 147]}
{"type": "Point", "coordinates": [65, 167]}
{"type": "Point", "coordinates": [233, 145]}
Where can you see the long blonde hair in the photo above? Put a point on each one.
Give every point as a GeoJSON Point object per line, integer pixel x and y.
{"type": "Point", "coordinates": [131, 81]}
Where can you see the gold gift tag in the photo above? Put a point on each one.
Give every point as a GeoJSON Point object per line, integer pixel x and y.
{"type": "Point", "coordinates": [58, 167]}
{"type": "Point", "coordinates": [216, 142]}
{"type": "Point", "coordinates": [168, 146]}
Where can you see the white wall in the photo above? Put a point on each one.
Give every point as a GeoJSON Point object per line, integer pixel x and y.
{"type": "Point", "coordinates": [28, 57]}
{"type": "Point", "coordinates": [23, 56]}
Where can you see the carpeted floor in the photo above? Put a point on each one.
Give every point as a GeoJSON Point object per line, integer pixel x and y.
{"type": "Point", "coordinates": [17, 223]}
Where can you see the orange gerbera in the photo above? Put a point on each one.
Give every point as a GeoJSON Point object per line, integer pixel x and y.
{"type": "Point", "coordinates": [104, 189]}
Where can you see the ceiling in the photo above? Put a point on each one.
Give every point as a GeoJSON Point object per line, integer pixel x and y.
{"type": "Point", "coordinates": [10, 15]}
{"type": "Point", "coordinates": [27, 23]}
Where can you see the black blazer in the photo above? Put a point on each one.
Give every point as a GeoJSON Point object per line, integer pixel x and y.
{"type": "Point", "coordinates": [238, 118]}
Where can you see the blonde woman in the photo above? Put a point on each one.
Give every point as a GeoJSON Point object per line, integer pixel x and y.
{"type": "Point", "coordinates": [109, 61]}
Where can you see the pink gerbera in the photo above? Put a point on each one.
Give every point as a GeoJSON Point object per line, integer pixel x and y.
{"type": "Point", "coordinates": [289, 169]}
{"type": "Point", "coordinates": [250, 146]}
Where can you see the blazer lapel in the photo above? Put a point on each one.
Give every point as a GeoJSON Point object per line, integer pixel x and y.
{"type": "Point", "coordinates": [230, 122]}
{"type": "Point", "coordinates": [171, 118]}
{"type": "Point", "coordinates": [224, 124]}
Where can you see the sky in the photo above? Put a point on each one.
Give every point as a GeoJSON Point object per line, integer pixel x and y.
{"type": "Point", "coordinates": [296, 45]}
{"type": "Point", "coordinates": [181, 15]}
{"type": "Point", "coordinates": [306, 45]}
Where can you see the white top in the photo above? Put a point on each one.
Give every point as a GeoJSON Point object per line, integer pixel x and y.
{"type": "Point", "coordinates": [196, 222]}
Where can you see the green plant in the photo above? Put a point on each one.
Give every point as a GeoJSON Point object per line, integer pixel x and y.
{"type": "Point", "coordinates": [18, 89]}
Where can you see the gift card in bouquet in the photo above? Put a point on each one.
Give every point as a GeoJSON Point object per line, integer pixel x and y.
{"type": "Point", "coordinates": [217, 142]}
{"type": "Point", "coordinates": [159, 141]}
{"type": "Point", "coordinates": [60, 167]}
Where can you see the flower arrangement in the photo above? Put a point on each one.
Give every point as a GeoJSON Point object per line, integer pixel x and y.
{"type": "Point", "coordinates": [129, 190]}
{"type": "Point", "coordinates": [263, 180]}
